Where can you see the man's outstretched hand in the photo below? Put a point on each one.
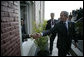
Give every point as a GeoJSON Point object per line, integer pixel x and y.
{"type": "Point", "coordinates": [36, 35]}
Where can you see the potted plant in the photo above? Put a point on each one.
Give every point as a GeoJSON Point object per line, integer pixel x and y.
{"type": "Point", "coordinates": [42, 42]}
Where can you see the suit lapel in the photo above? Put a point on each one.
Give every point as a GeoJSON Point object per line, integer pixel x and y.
{"type": "Point", "coordinates": [69, 27]}
{"type": "Point", "coordinates": [63, 27]}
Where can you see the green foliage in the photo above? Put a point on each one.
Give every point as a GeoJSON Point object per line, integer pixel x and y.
{"type": "Point", "coordinates": [42, 41]}
{"type": "Point", "coordinates": [79, 26]}
{"type": "Point", "coordinates": [79, 13]}
{"type": "Point", "coordinates": [44, 25]}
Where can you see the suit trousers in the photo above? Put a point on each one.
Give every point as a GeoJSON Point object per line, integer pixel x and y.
{"type": "Point", "coordinates": [51, 41]}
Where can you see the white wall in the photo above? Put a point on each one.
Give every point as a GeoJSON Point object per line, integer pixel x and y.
{"type": "Point", "coordinates": [39, 11]}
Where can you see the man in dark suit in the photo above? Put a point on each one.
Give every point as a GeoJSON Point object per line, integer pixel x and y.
{"type": "Point", "coordinates": [50, 24]}
{"type": "Point", "coordinates": [66, 32]}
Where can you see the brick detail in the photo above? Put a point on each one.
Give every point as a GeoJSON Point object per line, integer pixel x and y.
{"type": "Point", "coordinates": [10, 39]}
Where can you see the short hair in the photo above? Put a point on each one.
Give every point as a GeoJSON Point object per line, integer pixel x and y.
{"type": "Point", "coordinates": [22, 19]}
{"type": "Point", "coordinates": [51, 13]}
{"type": "Point", "coordinates": [65, 13]}
{"type": "Point", "coordinates": [70, 16]}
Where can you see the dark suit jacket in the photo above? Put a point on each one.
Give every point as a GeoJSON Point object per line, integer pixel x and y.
{"type": "Point", "coordinates": [48, 26]}
{"type": "Point", "coordinates": [23, 29]}
{"type": "Point", "coordinates": [24, 35]}
{"type": "Point", "coordinates": [64, 37]}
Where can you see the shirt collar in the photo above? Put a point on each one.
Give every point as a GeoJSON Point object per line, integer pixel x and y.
{"type": "Point", "coordinates": [66, 21]}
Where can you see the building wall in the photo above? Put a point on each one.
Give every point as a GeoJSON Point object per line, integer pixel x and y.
{"type": "Point", "coordinates": [10, 37]}
{"type": "Point", "coordinates": [42, 11]}
{"type": "Point", "coordinates": [39, 12]}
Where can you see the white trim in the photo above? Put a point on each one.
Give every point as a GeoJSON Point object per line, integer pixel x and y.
{"type": "Point", "coordinates": [76, 50]}
{"type": "Point", "coordinates": [28, 19]}
{"type": "Point", "coordinates": [19, 20]}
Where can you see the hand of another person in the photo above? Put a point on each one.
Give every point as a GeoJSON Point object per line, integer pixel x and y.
{"type": "Point", "coordinates": [36, 35]}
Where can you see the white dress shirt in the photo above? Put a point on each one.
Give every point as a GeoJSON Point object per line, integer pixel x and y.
{"type": "Point", "coordinates": [66, 24]}
{"type": "Point", "coordinates": [52, 25]}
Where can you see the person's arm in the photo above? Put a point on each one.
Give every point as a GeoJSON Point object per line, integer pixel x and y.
{"type": "Point", "coordinates": [48, 32]}
{"type": "Point", "coordinates": [26, 36]}
{"type": "Point", "coordinates": [45, 33]}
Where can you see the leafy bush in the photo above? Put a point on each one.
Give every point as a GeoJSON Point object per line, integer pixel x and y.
{"type": "Point", "coordinates": [79, 30]}
{"type": "Point", "coordinates": [42, 41]}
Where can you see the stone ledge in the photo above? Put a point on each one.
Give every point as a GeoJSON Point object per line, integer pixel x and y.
{"type": "Point", "coordinates": [76, 51]}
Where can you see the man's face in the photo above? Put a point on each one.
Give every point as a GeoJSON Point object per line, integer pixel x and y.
{"type": "Point", "coordinates": [52, 15]}
{"type": "Point", "coordinates": [63, 16]}
{"type": "Point", "coordinates": [22, 22]}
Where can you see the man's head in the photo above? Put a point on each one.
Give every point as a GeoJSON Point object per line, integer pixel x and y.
{"type": "Point", "coordinates": [52, 15]}
{"type": "Point", "coordinates": [22, 21]}
{"type": "Point", "coordinates": [63, 15]}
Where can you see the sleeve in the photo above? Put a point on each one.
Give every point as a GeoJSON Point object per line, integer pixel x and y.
{"type": "Point", "coordinates": [24, 36]}
{"type": "Point", "coordinates": [50, 31]}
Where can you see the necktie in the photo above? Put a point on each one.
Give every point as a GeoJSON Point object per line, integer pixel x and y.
{"type": "Point", "coordinates": [52, 22]}
{"type": "Point", "coordinates": [66, 24]}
